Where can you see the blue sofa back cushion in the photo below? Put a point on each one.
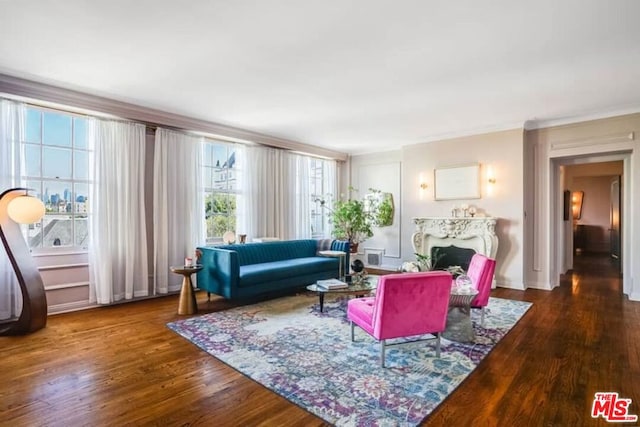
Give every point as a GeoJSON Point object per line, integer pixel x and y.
{"type": "Point", "coordinates": [255, 274]}
{"type": "Point", "coordinates": [259, 253]}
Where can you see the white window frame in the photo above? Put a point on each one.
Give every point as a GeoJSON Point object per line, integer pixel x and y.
{"type": "Point", "coordinates": [41, 179]}
{"type": "Point", "coordinates": [317, 211]}
{"type": "Point", "coordinates": [227, 174]}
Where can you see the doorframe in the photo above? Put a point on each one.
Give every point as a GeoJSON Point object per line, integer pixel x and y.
{"type": "Point", "coordinates": [560, 242]}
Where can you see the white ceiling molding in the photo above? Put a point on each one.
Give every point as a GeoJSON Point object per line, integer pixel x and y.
{"type": "Point", "coordinates": [614, 138]}
{"type": "Point", "coordinates": [91, 104]}
{"type": "Point", "coordinates": [541, 124]}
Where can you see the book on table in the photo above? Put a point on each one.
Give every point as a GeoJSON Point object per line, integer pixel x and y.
{"type": "Point", "coordinates": [331, 284]}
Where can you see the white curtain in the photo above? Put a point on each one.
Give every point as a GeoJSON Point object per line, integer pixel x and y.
{"type": "Point", "coordinates": [12, 129]}
{"type": "Point", "coordinates": [301, 204]}
{"type": "Point", "coordinates": [117, 228]}
{"type": "Point", "coordinates": [178, 214]}
{"type": "Point", "coordinates": [331, 181]}
{"type": "Point", "coordinates": [257, 204]}
{"type": "Point", "coordinates": [275, 198]}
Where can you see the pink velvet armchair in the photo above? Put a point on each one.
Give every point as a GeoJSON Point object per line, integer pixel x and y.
{"type": "Point", "coordinates": [480, 271]}
{"type": "Point", "coordinates": [405, 305]}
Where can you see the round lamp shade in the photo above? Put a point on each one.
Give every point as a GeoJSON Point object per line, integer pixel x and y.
{"type": "Point", "coordinates": [25, 209]}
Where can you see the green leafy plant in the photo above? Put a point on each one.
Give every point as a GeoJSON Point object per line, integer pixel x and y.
{"type": "Point", "coordinates": [350, 218]}
{"type": "Point", "coordinates": [428, 262]}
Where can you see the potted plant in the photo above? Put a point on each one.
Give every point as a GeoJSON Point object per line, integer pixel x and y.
{"type": "Point", "coordinates": [352, 220]}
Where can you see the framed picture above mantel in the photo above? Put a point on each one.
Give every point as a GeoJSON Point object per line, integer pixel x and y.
{"type": "Point", "coordinates": [457, 182]}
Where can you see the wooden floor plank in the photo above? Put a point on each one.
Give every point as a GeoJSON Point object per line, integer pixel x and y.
{"type": "Point", "coordinates": [121, 365]}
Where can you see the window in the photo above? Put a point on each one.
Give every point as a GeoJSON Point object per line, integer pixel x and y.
{"type": "Point", "coordinates": [56, 165]}
{"type": "Point", "coordinates": [220, 170]}
{"type": "Point", "coordinates": [320, 189]}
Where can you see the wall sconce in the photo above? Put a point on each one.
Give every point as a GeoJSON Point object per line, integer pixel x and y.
{"type": "Point", "coordinates": [576, 204]}
{"type": "Point", "coordinates": [491, 177]}
{"type": "Point", "coordinates": [422, 186]}
{"type": "Point", "coordinates": [16, 206]}
{"type": "Point", "coordinates": [491, 181]}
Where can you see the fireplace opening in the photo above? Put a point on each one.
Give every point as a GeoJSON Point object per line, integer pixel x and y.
{"type": "Point", "coordinates": [448, 256]}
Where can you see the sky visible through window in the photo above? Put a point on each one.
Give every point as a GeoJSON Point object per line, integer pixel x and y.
{"type": "Point", "coordinates": [56, 163]}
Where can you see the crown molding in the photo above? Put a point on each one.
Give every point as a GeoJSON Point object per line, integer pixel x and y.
{"type": "Point", "coordinates": [569, 120]}
{"type": "Point", "coordinates": [76, 101]}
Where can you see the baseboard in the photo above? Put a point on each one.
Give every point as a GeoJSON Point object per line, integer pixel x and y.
{"type": "Point", "coordinates": [515, 286]}
{"type": "Point", "coordinates": [70, 306]}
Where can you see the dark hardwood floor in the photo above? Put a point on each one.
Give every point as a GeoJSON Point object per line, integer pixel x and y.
{"type": "Point", "coordinates": [120, 365]}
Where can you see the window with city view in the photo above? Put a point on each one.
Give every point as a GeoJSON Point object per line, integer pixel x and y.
{"type": "Point", "coordinates": [56, 166]}
{"type": "Point", "coordinates": [220, 169]}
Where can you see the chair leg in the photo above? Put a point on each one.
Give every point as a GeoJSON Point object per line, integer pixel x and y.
{"type": "Point", "coordinates": [438, 344]}
{"type": "Point", "coordinates": [382, 348]}
{"type": "Point", "coordinates": [352, 337]}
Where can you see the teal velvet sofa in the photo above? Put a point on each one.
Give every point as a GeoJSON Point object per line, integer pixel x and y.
{"type": "Point", "coordinates": [253, 269]}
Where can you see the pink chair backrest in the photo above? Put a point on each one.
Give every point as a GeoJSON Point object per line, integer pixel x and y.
{"type": "Point", "coordinates": [481, 270]}
{"type": "Point", "coordinates": [411, 304]}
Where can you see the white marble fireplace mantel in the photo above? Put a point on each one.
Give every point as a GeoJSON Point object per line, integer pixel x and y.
{"type": "Point", "coordinates": [477, 233]}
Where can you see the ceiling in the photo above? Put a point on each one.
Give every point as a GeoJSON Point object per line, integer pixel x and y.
{"type": "Point", "coordinates": [353, 76]}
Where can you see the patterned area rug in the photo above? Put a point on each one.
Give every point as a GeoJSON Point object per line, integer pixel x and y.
{"type": "Point", "coordinates": [306, 356]}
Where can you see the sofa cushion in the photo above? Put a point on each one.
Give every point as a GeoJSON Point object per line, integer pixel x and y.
{"type": "Point", "coordinates": [258, 253]}
{"type": "Point", "coordinates": [254, 274]}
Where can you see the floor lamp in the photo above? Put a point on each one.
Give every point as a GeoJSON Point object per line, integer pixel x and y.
{"type": "Point", "coordinates": [17, 207]}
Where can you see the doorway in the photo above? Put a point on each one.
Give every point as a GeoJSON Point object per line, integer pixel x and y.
{"type": "Point", "coordinates": [595, 229]}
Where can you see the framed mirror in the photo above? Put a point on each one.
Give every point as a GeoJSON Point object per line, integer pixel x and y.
{"type": "Point", "coordinates": [380, 206]}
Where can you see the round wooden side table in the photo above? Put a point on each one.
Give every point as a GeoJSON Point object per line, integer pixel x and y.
{"type": "Point", "coordinates": [187, 304]}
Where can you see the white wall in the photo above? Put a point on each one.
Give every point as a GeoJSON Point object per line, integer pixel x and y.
{"type": "Point", "coordinates": [502, 152]}
{"type": "Point", "coordinates": [589, 142]}
{"type": "Point", "coordinates": [381, 171]}
{"type": "Point", "coordinates": [596, 207]}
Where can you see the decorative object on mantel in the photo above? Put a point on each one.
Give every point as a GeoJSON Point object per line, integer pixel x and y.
{"type": "Point", "coordinates": [477, 233]}
{"type": "Point", "coordinates": [463, 211]}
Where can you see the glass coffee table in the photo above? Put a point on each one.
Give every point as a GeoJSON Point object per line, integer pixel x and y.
{"type": "Point", "coordinates": [365, 287]}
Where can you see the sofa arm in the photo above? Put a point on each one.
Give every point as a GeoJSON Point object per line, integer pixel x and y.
{"type": "Point", "coordinates": [220, 271]}
{"type": "Point", "coordinates": [342, 245]}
